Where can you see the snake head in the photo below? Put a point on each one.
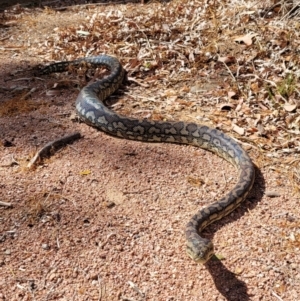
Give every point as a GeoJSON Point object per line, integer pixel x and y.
{"type": "Point", "coordinates": [200, 249]}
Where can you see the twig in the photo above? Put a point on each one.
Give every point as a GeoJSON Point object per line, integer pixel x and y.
{"type": "Point", "coordinates": [107, 239]}
{"type": "Point", "coordinates": [100, 291]}
{"type": "Point", "coordinates": [21, 79]}
{"type": "Point", "coordinates": [52, 146]}
{"type": "Point", "coordinates": [224, 176]}
{"type": "Point", "coordinates": [5, 204]}
{"type": "Point", "coordinates": [229, 71]}
{"type": "Point", "coordinates": [136, 288]}
{"type": "Point", "coordinates": [138, 82]}
{"type": "Point", "coordinates": [28, 93]}
{"type": "Point", "coordinates": [275, 295]}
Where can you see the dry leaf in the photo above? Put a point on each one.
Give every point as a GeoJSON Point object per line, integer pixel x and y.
{"type": "Point", "coordinates": [238, 130]}
{"type": "Point", "coordinates": [246, 39]}
{"type": "Point", "coordinates": [170, 92]}
{"type": "Point", "coordinates": [218, 257]}
{"type": "Point", "coordinates": [255, 87]}
{"type": "Point", "coordinates": [231, 94]}
{"type": "Point", "coordinates": [191, 57]}
{"type": "Point", "coordinates": [85, 172]}
{"type": "Point", "coordinates": [195, 181]}
{"type": "Point", "coordinates": [238, 270]}
{"type": "Point", "coordinates": [289, 107]}
{"type": "Point", "coordinates": [261, 129]}
{"type": "Point", "coordinates": [53, 92]}
{"type": "Point", "coordinates": [226, 106]}
{"type": "Point", "coordinates": [227, 59]}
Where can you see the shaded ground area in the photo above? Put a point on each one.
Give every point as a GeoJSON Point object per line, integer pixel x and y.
{"type": "Point", "coordinates": [6, 4]}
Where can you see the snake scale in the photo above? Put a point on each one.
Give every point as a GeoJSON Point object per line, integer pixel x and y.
{"type": "Point", "coordinates": [91, 108]}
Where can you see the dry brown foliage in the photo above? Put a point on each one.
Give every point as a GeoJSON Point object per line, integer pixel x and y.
{"type": "Point", "coordinates": [231, 64]}
{"type": "Point", "coordinates": [239, 60]}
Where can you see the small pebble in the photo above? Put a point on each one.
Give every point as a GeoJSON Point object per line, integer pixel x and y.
{"type": "Point", "coordinates": [45, 246]}
{"type": "Point", "coordinates": [110, 204]}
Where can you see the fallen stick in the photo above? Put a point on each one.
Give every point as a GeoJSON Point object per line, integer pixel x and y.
{"type": "Point", "coordinates": [5, 204]}
{"type": "Point", "coordinates": [51, 147]}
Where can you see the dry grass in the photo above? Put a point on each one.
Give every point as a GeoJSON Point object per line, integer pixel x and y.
{"type": "Point", "coordinates": [229, 64]}
{"type": "Point", "coordinates": [250, 49]}
{"type": "Point", "coordinates": [245, 54]}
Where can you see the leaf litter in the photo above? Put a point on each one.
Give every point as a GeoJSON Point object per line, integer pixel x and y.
{"type": "Point", "coordinates": [231, 65]}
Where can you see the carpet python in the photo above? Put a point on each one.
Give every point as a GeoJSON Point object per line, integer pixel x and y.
{"type": "Point", "coordinates": [91, 108]}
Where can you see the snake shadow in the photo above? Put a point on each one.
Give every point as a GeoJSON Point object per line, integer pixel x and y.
{"type": "Point", "coordinates": [226, 282]}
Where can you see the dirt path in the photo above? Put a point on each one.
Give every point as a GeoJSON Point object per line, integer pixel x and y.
{"type": "Point", "coordinates": [103, 218]}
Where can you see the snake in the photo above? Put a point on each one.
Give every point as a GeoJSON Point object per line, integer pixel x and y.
{"type": "Point", "coordinates": [91, 107]}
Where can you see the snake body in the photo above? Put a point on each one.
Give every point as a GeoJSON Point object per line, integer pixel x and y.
{"type": "Point", "coordinates": [91, 108]}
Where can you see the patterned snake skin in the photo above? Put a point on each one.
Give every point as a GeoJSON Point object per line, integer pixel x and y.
{"type": "Point", "coordinates": [90, 107]}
